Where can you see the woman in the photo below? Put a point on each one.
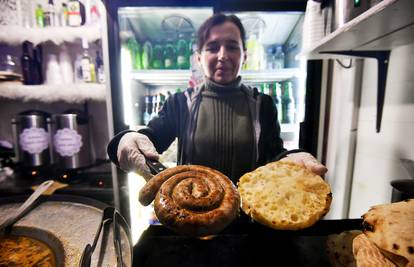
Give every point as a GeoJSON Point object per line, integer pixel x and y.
{"type": "Point", "coordinates": [221, 124]}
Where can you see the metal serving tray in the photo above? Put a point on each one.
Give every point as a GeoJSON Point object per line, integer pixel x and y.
{"type": "Point", "coordinates": [243, 243]}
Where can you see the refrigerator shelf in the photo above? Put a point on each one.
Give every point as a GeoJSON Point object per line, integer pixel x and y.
{"type": "Point", "coordinates": [181, 77]}
{"type": "Point", "coordinates": [15, 35]}
{"type": "Point", "coordinates": [69, 93]}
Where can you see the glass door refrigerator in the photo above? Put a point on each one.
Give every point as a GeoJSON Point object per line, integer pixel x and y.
{"type": "Point", "coordinates": [151, 53]}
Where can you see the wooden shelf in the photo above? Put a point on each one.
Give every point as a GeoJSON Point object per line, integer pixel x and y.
{"type": "Point", "coordinates": [15, 35]}
{"type": "Point", "coordinates": [180, 77]}
{"type": "Point", "coordinates": [387, 25]}
{"type": "Point", "coordinates": [70, 93]}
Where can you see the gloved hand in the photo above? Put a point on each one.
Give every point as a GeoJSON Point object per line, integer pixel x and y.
{"type": "Point", "coordinates": [130, 152]}
{"type": "Point", "coordinates": [306, 160]}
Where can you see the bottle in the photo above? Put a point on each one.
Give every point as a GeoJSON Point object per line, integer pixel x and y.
{"type": "Point", "coordinates": [158, 59]}
{"type": "Point", "coordinates": [39, 16]}
{"type": "Point", "coordinates": [134, 48]}
{"type": "Point", "coordinates": [253, 53]}
{"type": "Point", "coordinates": [63, 15]}
{"type": "Point", "coordinates": [49, 15]}
{"type": "Point", "coordinates": [93, 73]}
{"type": "Point", "coordinates": [169, 56]}
{"type": "Point", "coordinates": [146, 55]}
{"type": "Point", "coordinates": [155, 105]}
{"type": "Point", "coordinates": [53, 73]}
{"type": "Point", "coordinates": [279, 60]}
{"type": "Point", "coordinates": [182, 53]}
{"type": "Point", "coordinates": [288, 104]}
{"type": "Point", "coordinates": [82, 13]}
{"type": "Point", "coordinates": [277, 98]}
{"type": "Point", "coordinates": [99, 68]}
{"type": "Point", "coordinates": [270, 58]}
{"type": "Point", "coordinates": [161, 101]}
{"type": "Point", "coordinates": [86, 62]}
{"type": "Point", "coordinates": [148, 109]}
{"type": "Point", "coordinates": [94, 15]}
{"type": "Point", "coordinates": [74, 13]}
{"type": "Point", "coordinates": [10, 65]}
{"type": "Point", "coordinates": [37, 63]}
{"type": "Point", "coordinates": [65, 65]}
{"type": "Point", "coordinates": [78, 69]}
{"type": "Point", "coordinates": [26, 63]}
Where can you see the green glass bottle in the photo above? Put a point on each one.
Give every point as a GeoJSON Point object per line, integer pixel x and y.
{"type": "Point", "coordinates": [146, 55]}
{"type": "Point", "coordinates": [134, 48]}
{"type": "Point", "coordinates": [158, 58]}
{"type": "Point", "coordinates": [39, 14]}
{"type": "Point", "coordinates": [169, 56]}
{"type": "Point", "coordinates": [288, 104]}
{"type": "Point", "coordinates": [276, 94]}
{"type": "Point", "coordinates": [183, 54]}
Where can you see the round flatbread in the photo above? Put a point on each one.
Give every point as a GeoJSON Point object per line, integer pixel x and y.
{"type": "Point", "coordinates": [283, 195]}
{"type": "Point", "coordinates": [391, 228]}
{"type": "Point", "coordinates": [367, 254]}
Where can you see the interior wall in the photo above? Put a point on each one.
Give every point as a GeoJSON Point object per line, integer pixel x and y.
{"type": "Point", "coordinates": [377, 158]}
{"type": "Point", "coordinates": [342, 117]}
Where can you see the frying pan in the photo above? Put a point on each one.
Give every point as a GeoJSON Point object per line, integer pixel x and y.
{"type": "Point", "coordinates": [68, 224]}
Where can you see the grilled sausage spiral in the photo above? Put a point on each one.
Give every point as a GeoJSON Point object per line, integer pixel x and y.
{"type": "Point", "coordinates": [192, 199]}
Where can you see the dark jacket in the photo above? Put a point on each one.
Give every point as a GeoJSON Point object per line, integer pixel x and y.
{"type": "Point", "coordinates": [178, 116]}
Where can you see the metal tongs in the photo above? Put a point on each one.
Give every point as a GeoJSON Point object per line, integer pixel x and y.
{"type": "Point", "coordinates": [154, 165]}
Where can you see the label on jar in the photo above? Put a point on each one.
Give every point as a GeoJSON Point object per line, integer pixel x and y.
{"type": "Point", "coordinates": [34, 140]}
{"type": "Point", "coordinates": [67, 142]}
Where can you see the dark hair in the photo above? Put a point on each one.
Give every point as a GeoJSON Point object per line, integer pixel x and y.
{"type": "Point", "coordinates": [218, 19]}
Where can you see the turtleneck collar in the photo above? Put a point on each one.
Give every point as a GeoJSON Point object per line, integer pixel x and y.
{"type": "Point", "coordinates": [220, 88]}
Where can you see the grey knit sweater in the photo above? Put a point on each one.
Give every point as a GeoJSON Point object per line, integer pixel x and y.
{"type": "Point", "coordinates": [223, 136]}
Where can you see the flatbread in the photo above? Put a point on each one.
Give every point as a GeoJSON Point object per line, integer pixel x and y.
{"type": "Point", "coordinates": [283, 195]}
{"type": "Point", "coordinates": [367, 254]}
{"type": "Point", "coordinates": [339, 248]}
{"type": "Point", "coordinates": [391, 228]}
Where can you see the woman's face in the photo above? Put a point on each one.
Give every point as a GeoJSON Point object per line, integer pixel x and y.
{"type": "Point", "coordinates": [222, 54]}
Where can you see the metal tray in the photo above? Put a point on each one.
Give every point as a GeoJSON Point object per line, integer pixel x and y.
{"type": "Point", "coordinates": [243, 243]}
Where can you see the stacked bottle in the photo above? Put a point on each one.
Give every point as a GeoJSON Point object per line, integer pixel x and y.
{"type": "Point", "coordinates": [89, 70]}
{"type": "Point", "coordinates": [288, 103]}
{"type": "Point", "coordinates": [282, 95]}
{"type": "Point", "coordinates": [71, 13]}
{"type": "Point", "coordinates": [168, 54]}
{"type": "Point", "coordinates": [152, 106]}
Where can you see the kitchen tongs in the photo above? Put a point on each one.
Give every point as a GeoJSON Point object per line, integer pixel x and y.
{"type": "Point", "coordinates": [154, 165]}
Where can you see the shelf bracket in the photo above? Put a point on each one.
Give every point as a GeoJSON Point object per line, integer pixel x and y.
{"type": "Point", "coordinates": [382, 58]}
